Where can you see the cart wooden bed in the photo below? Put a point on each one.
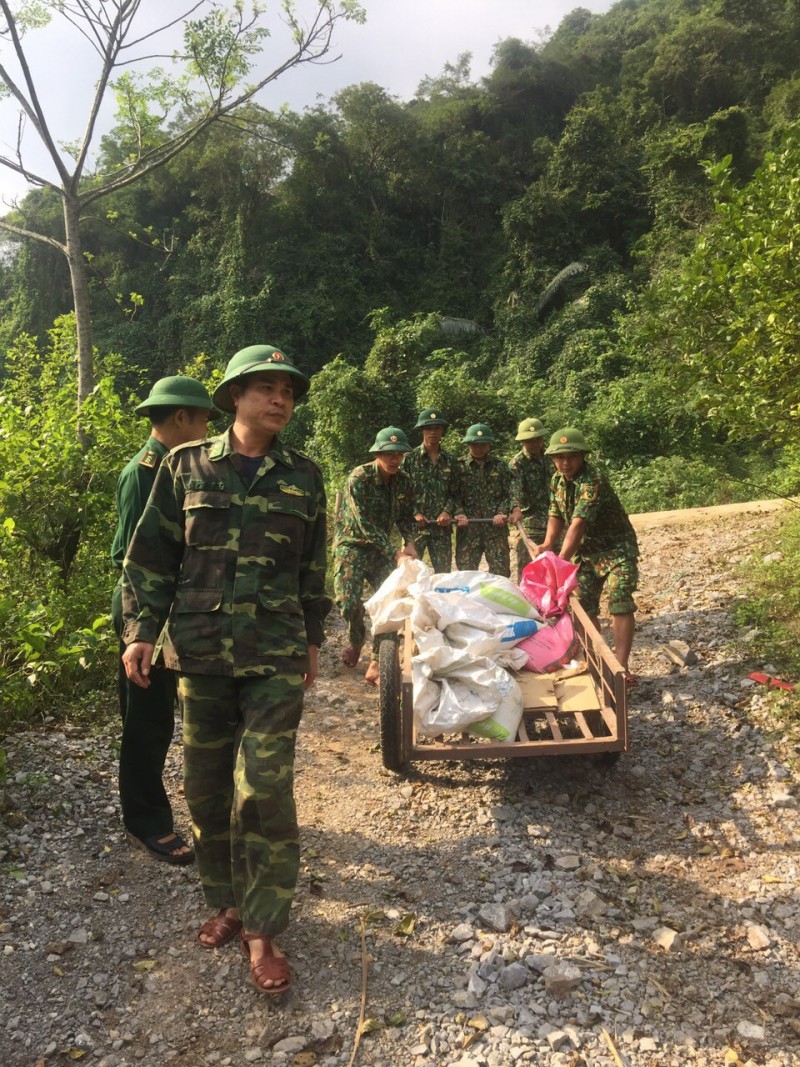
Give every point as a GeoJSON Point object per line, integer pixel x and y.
{"type": "Point", "coordinates": [542, 732]}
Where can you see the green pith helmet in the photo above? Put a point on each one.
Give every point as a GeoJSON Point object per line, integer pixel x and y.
{"type": "Point", "coordinates": [175, 391]}
{"type": "Point", "coordinates": [390, 439]}
{"type": "Point", "coordinates": [567, 439]}
{"type": "Point", "coordinates": [529, 429]}
{"type": "Point", "coordinates": [250, 361]}
{"type": "Point", "coordinates": [431, 417]}
{"type": "Point", "coordinates": [478, 434]}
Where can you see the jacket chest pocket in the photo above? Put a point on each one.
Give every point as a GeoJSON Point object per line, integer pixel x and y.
{"type": "Point", "coordinates": [207, 515]}
{"type": "Point", "coordinates": [295, 507]}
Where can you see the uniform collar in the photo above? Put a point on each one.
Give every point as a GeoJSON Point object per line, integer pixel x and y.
{"type": "Point", "coordinates": [488, 461]}
{"type": "Point", "coordinates": [221, 447]}
{"type": "Point", "coordinates": [531, 458]}
{"type": "Point", "coordinates": [424, 455]}
{"type": "Point", "coordinates": [376, 474]}
{"type": "Point", "coordinates": [154, 445]}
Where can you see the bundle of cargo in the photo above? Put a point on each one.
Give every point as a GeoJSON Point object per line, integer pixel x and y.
{"type": "Point", "coordinates": [488, 668]}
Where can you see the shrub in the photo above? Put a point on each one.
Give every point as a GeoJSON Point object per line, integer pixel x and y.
{"type": "Point", "coordinates": [57, 520]}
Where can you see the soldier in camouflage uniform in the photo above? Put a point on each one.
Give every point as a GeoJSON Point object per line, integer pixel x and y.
{"type": "Point", "coordinates": [178, 409]}
{"type": "Point", "coordinates": [532, 471]}
{"type": "Point", "coordinates": [431, 470]}
{"type": "Point", "coordinates": [598, 535]}
{"type": "Point", "coordinates": [484, 489]}
{"type": "Point", "coordinates": [377, 497]}
{"type": "Point", "coordinates": [230, 553]}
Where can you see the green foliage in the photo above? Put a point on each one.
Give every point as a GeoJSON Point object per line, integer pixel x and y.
{"type": "Point", "coordinates": [405, 371]}
{"type": "Point", "coordinates": [725, 324]}
{"type": "Point", "coordinates": [345, 416]}
{"type": "Point", "coordinates": [56, 522]}
{"type": "Point", "coordinates": [720, 475]}
{"type": "Point", "coordinates": [772, 607]}
{"type": "Point", "coordinates": [545, 241]}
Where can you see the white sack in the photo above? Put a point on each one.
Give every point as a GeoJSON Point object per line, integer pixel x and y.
{"type": "Point", "coordinates": [492, 591]}
{"type": "Point", "coordinates": [504, 724]}
{"type": "Point", "coordinates": [390, 605]}
{"type": "Point", "coordinates": [453, 690]}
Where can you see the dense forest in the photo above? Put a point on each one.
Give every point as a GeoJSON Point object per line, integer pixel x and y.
{"type": "Point", "coordinates": [603, 231]}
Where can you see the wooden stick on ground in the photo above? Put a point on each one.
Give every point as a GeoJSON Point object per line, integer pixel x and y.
{"type": "Point", "coordinates": [612, 1046]}
{"type": "Point", "coordinates": [364, 968]}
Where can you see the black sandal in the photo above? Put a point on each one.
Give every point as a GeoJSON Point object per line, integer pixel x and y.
{"type": "Point", "coordinates": [164, 850]}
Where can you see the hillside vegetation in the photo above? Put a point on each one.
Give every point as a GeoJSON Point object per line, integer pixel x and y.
{"type": "Point", "coordinates": [603, 231]}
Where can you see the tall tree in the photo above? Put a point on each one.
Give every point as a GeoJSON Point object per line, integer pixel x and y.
{"type": "Point", "coordinates": [162, 111]}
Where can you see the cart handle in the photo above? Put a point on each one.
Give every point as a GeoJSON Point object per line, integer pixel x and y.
{"type": "Point", "coordinates": [531, 547]}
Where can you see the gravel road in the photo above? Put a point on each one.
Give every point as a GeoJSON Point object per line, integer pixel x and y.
{"type": "Point", "coordinates": [547, 912]}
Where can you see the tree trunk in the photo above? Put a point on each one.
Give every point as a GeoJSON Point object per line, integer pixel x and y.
{"type": "Point", "coordinates": [80, 295]}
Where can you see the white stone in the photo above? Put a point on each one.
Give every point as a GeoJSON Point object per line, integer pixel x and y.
{"type": "Point", "coordinates": [668, 939]}
{"type": "Point", "coordinates": [758, 938]}
{"type": "Point", "coordinates": [751, 1031]}
{"type": "Point", "coordinates": [322, 1029]}
{"type": "Point", "coordinates": [568, 862]}
{"type": "Point", "coordinates": [290, 1044]}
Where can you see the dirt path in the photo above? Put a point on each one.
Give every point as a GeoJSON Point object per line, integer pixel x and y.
{"type": "Point", "coordinates": [542, 912]}
{"type": "Point", "coordinates": [652, 520]}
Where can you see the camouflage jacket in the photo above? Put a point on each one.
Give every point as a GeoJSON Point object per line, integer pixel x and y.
{"type": "Point", "coordinates": [532, 487]}
{"type": "Point", "coordinates": [133, 491]}
{"type": "Point", "coordinates": [237, 571]}
{"type": "Point", "coordinates": [370, 508]}
{"type": "Point", "coordinates": [432, 483]}
{"type": "Point", "coordinates": [483, 490]}
{"type": "Point", "coordinates": [590, 497]}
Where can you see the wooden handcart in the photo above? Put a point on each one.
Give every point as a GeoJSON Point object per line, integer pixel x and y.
{"type": "Point", "coordinates": [545, 730]}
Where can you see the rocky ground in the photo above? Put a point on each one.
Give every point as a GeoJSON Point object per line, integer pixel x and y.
{"type": "Point", "coordinates": [547, 912]}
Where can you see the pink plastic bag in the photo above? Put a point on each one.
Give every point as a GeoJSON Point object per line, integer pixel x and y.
{"type": "Point", "coordinates": [551, 647]}
{"type": "Point", "coordinates": [547, 582]}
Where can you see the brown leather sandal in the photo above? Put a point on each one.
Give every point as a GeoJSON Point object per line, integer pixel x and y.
{"type": "Point", "coordinates": [221, 928]}
{"type": "Point", "coordinates": [270, 968]}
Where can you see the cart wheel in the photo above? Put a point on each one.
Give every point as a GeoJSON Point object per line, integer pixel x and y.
{"type": "Point", "coordinates": [389, 660]}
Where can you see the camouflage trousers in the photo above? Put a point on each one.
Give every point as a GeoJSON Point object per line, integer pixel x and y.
{"type": "Point", "coordinates": [439, 546]}
{"type": "Point", "coordinates": [621, 572]}
{"type": "Point", "coordinates": [239, 742]}
{"type": "Point", "coordinates": [482, 539]}
{"type": "Point", "coordinates": [352, 566]}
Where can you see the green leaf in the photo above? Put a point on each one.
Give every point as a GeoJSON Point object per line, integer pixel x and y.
{"type": "Point", "coordinates": [405, 927]}
{"type": "Point", "coordinates": [371, 1025]}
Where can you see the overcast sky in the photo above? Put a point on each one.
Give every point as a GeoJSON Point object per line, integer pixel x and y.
{"type": "Point", "coordinates": [402, 42]}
